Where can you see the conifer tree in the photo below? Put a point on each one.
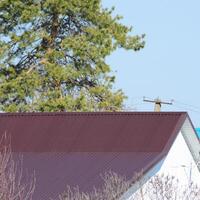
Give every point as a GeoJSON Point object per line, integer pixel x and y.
{"type": "Point", "coordinates": [52, 55]}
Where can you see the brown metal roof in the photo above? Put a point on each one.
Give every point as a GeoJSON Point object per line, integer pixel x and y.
{"type": "Point", "coordinates": [75, 148]}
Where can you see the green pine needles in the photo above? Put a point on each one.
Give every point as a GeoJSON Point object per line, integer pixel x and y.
{"type": "Point", "coordinates": [52, 55]}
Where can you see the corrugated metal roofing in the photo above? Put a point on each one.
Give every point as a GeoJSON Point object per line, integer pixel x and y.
{"type": "Point", "coordinates": [75, 148]}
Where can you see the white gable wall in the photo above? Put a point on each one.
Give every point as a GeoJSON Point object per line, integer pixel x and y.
{"type": "Point", "coordinates": [180, 163]}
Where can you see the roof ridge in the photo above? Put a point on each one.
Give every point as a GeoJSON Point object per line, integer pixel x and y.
{"type": "Point", "coordinates": [87, 113]}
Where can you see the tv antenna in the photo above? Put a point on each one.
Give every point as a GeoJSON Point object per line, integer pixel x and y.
{"type": "Point", "coordinates": [157, 103]}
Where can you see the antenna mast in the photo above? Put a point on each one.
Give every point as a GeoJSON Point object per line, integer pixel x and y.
{"type": "Point", "coordinates": [157, 103]}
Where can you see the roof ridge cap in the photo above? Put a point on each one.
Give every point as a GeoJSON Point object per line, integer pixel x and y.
{"type": "Point", "coordinates": [86, 113]}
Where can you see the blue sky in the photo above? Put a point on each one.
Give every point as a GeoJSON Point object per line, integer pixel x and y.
{"type": "Point", "coordinates": [198, 132]}
{"type": "Point", "coordinates": [169, 65]}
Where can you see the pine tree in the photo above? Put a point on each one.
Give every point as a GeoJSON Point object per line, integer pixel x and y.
{"type": "Point", "coordinates": [52, 55]}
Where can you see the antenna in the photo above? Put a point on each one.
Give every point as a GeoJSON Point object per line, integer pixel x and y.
{"type": "Point", "coordinates": [158, 103]}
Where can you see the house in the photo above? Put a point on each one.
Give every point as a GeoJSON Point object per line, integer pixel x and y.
{"type": "Point", "coordinates": [75, 148]}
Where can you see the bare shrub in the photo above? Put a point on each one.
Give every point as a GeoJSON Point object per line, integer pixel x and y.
{"type": "Point", "coordinates": [160, 187]}
{"type": "Point", "coordinates": [192, 192]}
{"type": "Point", "coordinates": [12, 187]}
{"type": "Point", "coordinates": [166, 187]}
{"type": "Point", "coordinates": [73, 193]}
{"type": "Point", "coordinates": [114, 185]}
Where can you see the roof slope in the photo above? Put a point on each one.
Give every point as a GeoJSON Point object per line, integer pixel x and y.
{"type": "Point", "coordinates": [75, 148]}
